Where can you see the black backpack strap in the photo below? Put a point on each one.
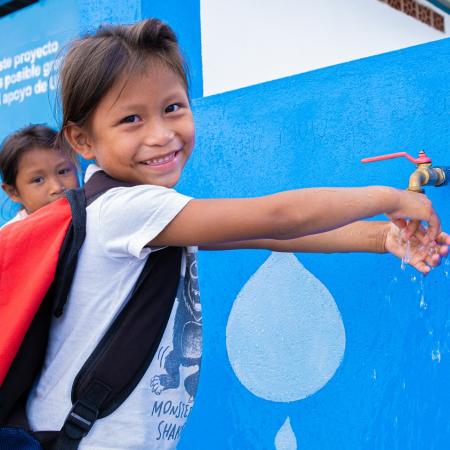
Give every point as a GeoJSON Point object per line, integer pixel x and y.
{"type": "Point", "coordinates": [123, 355]}
{"type": "Point", "coordinates": [79, 199]}
{"type": "Point", "coordinates": [99, 183]}
{"type": "Point", "coordinates": [69, 251]}
{"type": "Point", "coordinates": [125, 352]}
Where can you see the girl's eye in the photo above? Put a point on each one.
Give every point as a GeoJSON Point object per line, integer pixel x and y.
{"type": "Point", "coordinates": [37, 180]}
{"type": "Point", "coordinates": [133, 118]}
{"type": "Point", "coordinates": [64, 171]}
{"type": "Point", "coordinates": [173, 108]}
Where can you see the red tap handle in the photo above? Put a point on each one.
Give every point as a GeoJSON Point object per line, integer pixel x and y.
{"type": "Point", "coordinates": [422, 159]}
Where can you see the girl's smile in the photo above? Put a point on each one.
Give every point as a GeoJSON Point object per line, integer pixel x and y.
{"type": "Point", "coordinates": [163, 161]}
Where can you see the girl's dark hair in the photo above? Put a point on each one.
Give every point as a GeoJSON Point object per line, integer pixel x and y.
{"type": "Point", "coordinates": [18, 143]}
{"type": "Point", "coordinates": [94, 63]}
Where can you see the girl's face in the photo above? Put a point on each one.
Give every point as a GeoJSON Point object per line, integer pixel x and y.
{"type": "Point", "coordinates": [43, 175]}
{"type": "Point", "coordinates": [142, 131]}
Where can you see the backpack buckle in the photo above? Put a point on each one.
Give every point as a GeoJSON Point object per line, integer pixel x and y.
{"type": "Point", "coordinates": [80, 420]}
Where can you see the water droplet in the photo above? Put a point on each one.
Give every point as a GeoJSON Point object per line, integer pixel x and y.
{"type": "Point", "coordinates": [283, 299]}
{"type": "Point", "coordinates": [436, 355]}
{"type": "Point", "coordinates": [407, 255]}
{"type": "Point", "coordinates": [436, 352]}
{"type": "Point", "coordinates": [432, 248]}
{"type": "Point", "coordinates": [447, 267]}
{"type": "Point", "coordinates": [374, 375]}
{"type": "Point", "coordinates": [423, 304]}
{"type": "Point", "coordinates": [285, 438]}
{"type": "Point", "coordinates": [391, 288]}
{"type": "Point", "coordinates": [413, 278]}
{"type": "Point", "coordinates": [421, 291]}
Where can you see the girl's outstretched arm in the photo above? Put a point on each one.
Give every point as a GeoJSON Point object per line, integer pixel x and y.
{"type": "Point", "coordinates": [361, 236]}
{"type": "Point", "coordinates": [372, 237]}
{"type": "Point", "coordinates": [292, 214]}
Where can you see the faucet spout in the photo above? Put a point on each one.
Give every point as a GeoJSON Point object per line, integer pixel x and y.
{"type": "Point", "coordinates": [418, 179]}
{"type": "Point", "coordinates": [425, 175]}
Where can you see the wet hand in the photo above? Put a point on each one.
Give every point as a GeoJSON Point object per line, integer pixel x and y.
{"type": "Point", "coordinates": [413, 208]}
{"type": "Point", "coordinates": [417, 250]}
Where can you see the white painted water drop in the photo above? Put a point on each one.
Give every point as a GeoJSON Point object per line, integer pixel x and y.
{"type": "Point", "coordinates": [285, 438]}
{"type": "Point", "coordinates": [285, 337]}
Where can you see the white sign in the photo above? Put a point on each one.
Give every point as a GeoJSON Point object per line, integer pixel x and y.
{"type": "Point", "coordinates": [28, 73]}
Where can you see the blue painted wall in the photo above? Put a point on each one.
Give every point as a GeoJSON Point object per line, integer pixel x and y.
{"type": "Point", "coordinates": [185, 20]}
{"type": "Point", "coordinates": [391, 390]}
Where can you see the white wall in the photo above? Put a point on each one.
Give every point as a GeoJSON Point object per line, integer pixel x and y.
{"type": "Point", "coordinates": [246, 42]}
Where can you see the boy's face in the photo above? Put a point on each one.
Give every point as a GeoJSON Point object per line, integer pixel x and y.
{"type": "Point", "coordinates": [142, 131]}
{"type": "Point", "coordinates": [43, 176]}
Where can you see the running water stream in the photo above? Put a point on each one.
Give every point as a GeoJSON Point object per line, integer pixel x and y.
{"type": "Point", "coordinates": [410, 360]}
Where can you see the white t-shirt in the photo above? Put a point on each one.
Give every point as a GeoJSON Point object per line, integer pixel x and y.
{"type": "Point", "coordinates": [21, 214]}
{"type": "Point", "coordinates": [119, 225]}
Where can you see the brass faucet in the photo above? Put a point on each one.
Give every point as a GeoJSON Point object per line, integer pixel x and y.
{"type": "Point", "coordinates": [424, 175]}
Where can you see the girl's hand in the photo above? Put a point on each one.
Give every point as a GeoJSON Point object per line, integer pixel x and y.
{"type": "Point", "coordinates": [416, 207]}
{"type": "Point", "coordinates": [419, 252]}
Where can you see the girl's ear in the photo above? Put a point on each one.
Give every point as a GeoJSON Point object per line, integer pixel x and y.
{"type": "Point", "coordinates": [79, 141]}
{"type": "Point", "coordinates": [11, 192]}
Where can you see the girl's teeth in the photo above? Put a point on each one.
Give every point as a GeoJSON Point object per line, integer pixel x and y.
{"type": "Point", "coordinates": [160, 160]}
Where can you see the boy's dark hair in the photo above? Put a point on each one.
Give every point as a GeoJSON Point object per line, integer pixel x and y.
{"type": "Point", "coordinates": [18, 143]}
{"type": "Point", "coordinates": [94, 63]}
